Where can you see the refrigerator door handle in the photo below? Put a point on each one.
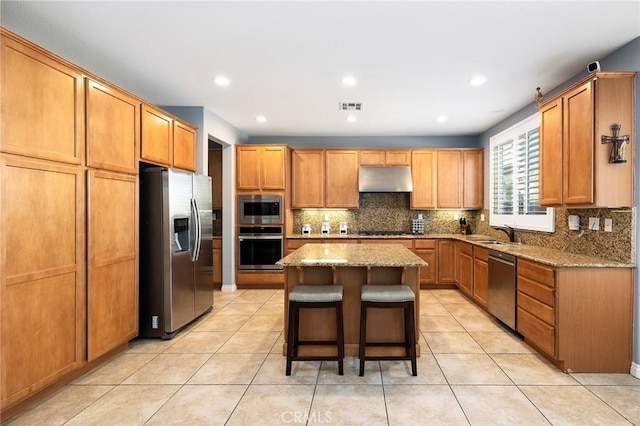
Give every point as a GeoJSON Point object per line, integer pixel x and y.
{"type": "Point", "coordinates": [198, 228]}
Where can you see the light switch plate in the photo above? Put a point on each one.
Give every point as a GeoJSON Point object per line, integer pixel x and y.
{"type": "Point", "coordinates": [574, 222]}
{"type": "Point", "coordinates": [482, 217]}
{"type": "Point", "coordinates": [455, 216]}
{"type": "Point", "coordinates": [608, 225]}
{"type": "Point", "coordinates": [594, 223]}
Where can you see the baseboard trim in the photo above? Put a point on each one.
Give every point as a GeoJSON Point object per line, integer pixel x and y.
{"type": "Point", "coordinates": [228, 287]}
{"type": "Point", "coordinates": [635, 370]}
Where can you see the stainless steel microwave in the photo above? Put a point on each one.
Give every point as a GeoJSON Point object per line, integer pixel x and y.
{"type": "Point", "coordinates": [260, 209]}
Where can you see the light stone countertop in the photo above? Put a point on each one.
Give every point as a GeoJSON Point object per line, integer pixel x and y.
{"type": "Point", "coordinates": [348, 255]}
{"type": "Point", "coordinates": [548, 256]}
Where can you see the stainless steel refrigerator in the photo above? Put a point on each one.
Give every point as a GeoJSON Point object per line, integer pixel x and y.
{"type": "Point", "coordinates": [176, 264]}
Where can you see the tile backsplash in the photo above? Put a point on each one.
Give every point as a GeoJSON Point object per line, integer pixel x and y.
{"type": "Point", "coordinates": [390, 212]}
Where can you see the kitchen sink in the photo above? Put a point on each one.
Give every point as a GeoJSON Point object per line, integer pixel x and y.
{"type": "Point", "coordinates": [488, 242]}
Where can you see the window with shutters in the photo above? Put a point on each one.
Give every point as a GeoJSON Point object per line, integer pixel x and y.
{"type": "Point", "coordinates": [515, 179]}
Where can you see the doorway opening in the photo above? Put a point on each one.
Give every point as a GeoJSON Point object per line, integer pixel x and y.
{"type": "Point", "coordinates": [215, 172]}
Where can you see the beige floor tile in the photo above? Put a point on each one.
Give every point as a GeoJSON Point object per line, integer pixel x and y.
{"type": "Point", "coordinates": [606, 379]}
{"type": "Point", "coordinates": [424, 347]}
{"type": "Point", "coordinates": [399, 372]}
{"type": "Point", "coordinates": [272, 372]}
{"type": "Point", "coordinates": [463, 309]}
{"type": "Point", "coordinates": [207, 342]}
{"type": "Point", "coordinates": [278, 347]}
{"type": "Point", "coordinates": [501, 342]}
{"type": "Point", "coordinates": [412, 405]}
{"type": "Point", "coordinates": [225, 297]}
{"type": "Point", "coordinates": [427, 296]}
{"type": "Point", "coordinates": [471, 369]}
{"type": "Point", "coordinates": [497, 405]}
{"type": "Point", "coordinates": [479, 323]}
{"type": "Point", "coordinates": [433, 309]}
{"type": "Point", "coordinates": [531, 369]}
{"type": "Point", "coordinates": [152, 345]}
{"type": "Point", "coordinates": [365, 405]}
{"type": "Point", "coordinates": [329, 373]}
{"type": "Point", "coordinates": [273, 405]}
{"type": "Point", "coordinates": [573, 405]}
{"type": "Point", "coordinates": [271, 309]}
{"type": "Point", "coordinates": [222, 323]}
{"type": "Point", "coordinates": [624, 399]}
{"type": "Point", "coordinates": [168, 369]}
{"type": "Point", "coordinates": [254, 296]}
{"type": "Point", "coordinates": [439, 323]}
{"type": "Point", "coordinates": [61, 406]}
{"type": "Point", "coordinates": [449, 296]}
{"type": "Point", "coordinates": [126, 405]}
{"type": "Point", "coordinates": [277, 297]}
{"type": "Point", "coordinates": [248, 342]}
{"type": "Point", "coordinates": [115, 371]}
{"type": "Point", "coordinates": [239, 309]}
{"type": "Point", "coordinates": [228, 369]}
{"type": "Point", "coordinates": [199, 405]}
{"type": "Point", "coordinates": [452, 343]}
{"type": "Point", "coordinates": [264, 323]}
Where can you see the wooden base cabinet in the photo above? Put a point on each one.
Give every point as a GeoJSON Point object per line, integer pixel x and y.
{"type": "Point", "coordinates": [446, 262]}
{"type": "Point", "coordinates": [428, 251]}
{"type": "Point", "coordinates": [42, 275]}
{"type": "Point", "coordinates": [580, 318]}
{"type": "Point", "coordinates": [481, 276]}
{"type": "Point", "coordinates": [465, 267]}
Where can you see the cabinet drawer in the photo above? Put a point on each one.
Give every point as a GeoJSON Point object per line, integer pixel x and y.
{"type": "Point", "coordinates": [537, 272]}
{"type": "Point", "coordinates": [534, 307]}
{"type": "Point", "coordinates": [481, 253]}
{"type": "Point", "coordinates": [536, 332]}
{"type": "Point", "coordinates": [465, 248]}
{"type": "Point", "coordinates": [424, 244]}
{"type": "Point", "coordinates": [296, 244]}
{"type": "Point", "coordinates": [406, 243]}
{"type": "Point", "coordinates": [539, 292]}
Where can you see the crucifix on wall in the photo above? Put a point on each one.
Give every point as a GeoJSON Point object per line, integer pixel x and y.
{"type": "Point", "coordinates": [618, 146]}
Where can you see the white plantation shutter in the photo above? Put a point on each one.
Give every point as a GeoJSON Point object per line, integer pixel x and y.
{"type": "Point", "coordinates": [515, 179]}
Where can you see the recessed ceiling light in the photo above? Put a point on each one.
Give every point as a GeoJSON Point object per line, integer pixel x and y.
{"type": "Point", "coordinates": [349, 80]}
{"type": "Point", "coordinates": [261, 119]}
{"type": "Point", "coordinates": [441, 118]}
{"type": "Point", "coordinates": [221, 80]}
{"type": "Point", "coordinates": [477, 80]}
{"type": "Point", "coordinates": [352, 119]}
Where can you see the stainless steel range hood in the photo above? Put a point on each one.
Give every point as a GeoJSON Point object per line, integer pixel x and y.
{"type": "Point", "coordinates": [385, 179]}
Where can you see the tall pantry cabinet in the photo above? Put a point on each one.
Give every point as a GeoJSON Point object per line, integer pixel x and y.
{"type": "Point", "coordinates": [68, 211]}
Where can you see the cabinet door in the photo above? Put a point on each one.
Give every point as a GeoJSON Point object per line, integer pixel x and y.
{"type": "Point", "coordinates": [428, 274]}
{"type": "Point", "coordinates": [42, 105]}
{"type": "Point", "coordinates": [184, 146]}
{"type": "Point", "coordinates": [112, 247]}
{"type": "Point", "coordinates": [465, 268]}
{"type": "Point", "coordinates": [248, 167]}
{"type": "Point", "coordinates": [480, 280]}
{"type": "Point", "coordinates": [578, 146]}
{"type": "Point", "coordinates": [341, 179]}
{"type": "Point", "coordinates": [398, 157]}
{"type": "Point", "coordinates": [423, 172]}
{"type": "Point", "coordinates": [273, 164]}
{"type": "Point", "coordinates": [307, 169]}
{"type": "Point", "coordinates": [157, 136]}
{"type": "Point", "coordinates": [551, 154]}
{"type": "Point", "coordinates": [217, 262]}
{"type": "Point", "coordinates": [42, 281]}
{"type": "Point", "coordinates": [473, 179]}
{"type": "Point", "coordinates": [449, 180]}
{"type": "Point", "coordinates": [215, 171]}
{"type": "Point", "coordinates": [113, 132]}
{"type": "Point", "coordinates": [446, 261]}
{"type": "Point", "coordinates": [372, 157]}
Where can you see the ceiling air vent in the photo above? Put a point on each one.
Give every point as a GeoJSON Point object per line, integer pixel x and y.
{"type": "Point", "coordinates": [350, 106]}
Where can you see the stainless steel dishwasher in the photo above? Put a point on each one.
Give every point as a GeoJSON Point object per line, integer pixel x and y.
{"type": "Point", "coordinates": [502, 287]}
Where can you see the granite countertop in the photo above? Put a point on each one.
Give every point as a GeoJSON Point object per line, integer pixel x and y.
{"type": "Point", "coordinates": [348, 255]}
{"type": "Point", "coordinates": [545, 255]}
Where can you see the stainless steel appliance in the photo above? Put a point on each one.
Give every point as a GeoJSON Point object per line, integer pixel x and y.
{"type": "Point", "coordinates": [502, 287]}
{"type": "Point", "coordinates": [259, 247]}
{"type": "Point", "coordinates": [260, 209]}
{"type": "Point", "coordinates": [176, 262]}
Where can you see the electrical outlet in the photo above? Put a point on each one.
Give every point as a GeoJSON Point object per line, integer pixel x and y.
{"type": "Point", "coordinates": [608, 225]}
{"type": "Point", "coordinates": [594, 223]}
{"type": "Point", "coordinates": [326, 216]}
{"type": "Point", "coordinates": [482, 217]}
{"type": "Point", "coordinates": [455, 216]}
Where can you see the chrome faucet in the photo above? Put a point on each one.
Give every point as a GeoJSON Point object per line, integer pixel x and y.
{"type": "Point", "coordinates": [507, 230]}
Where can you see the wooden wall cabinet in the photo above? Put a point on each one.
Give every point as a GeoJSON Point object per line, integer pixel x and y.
{"type": "Point", "coordinates": [42, 104]}
{"type": "Point", "coordinates": [261, 167]}
{"type": "Point", "coordinates": [307, 176]}
{"type": "Point", "coordinates": [423, 174]}
{"type": "Point", "coordinates": [341, 179]}
{"type": "Point", "coordinates": [428, 251]}
{"type": "Point", "coordinates": [481, 276]}
{"type": "Point", "coordinates": [446, 262]}
{"type": "Point", "coordinates": [473, 179]}
{"type": "Point", "coordinates": [113, 128]}
{"type": "Point", "coordinates": [459, 178]}
{"type": "Point", "coordinates": [385, 157]}
{"type": "Point", "coordinates": [574, 164]}
{"type": "Point", "coordinates": [465, 267]}
{"type": "Point", "coordinates": [112, 261]}
{"type": "Point", "coordinates": [167, 141]}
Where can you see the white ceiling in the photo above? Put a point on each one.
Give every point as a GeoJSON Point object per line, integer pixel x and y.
{"type": "Point", "coordinates": [285, 60]}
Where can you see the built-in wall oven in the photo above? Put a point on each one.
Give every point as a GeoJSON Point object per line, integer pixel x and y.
{"type": "Point", "coordinates": [260, 247]}
{"type": "Point", "coordinates": [260, 209]}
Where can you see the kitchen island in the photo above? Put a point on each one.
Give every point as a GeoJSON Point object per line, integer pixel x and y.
{"type": "Point", "coordinates": [352, 266]}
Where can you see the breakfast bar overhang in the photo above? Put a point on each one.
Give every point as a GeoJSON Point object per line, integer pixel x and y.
{"type": "Point", "coordinates": [352, 266]}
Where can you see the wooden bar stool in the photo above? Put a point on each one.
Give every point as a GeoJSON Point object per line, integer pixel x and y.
{"type": "Point", "coordinates": [309, 297]}
{"type": "Point", "coordinates": [389, 296]}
